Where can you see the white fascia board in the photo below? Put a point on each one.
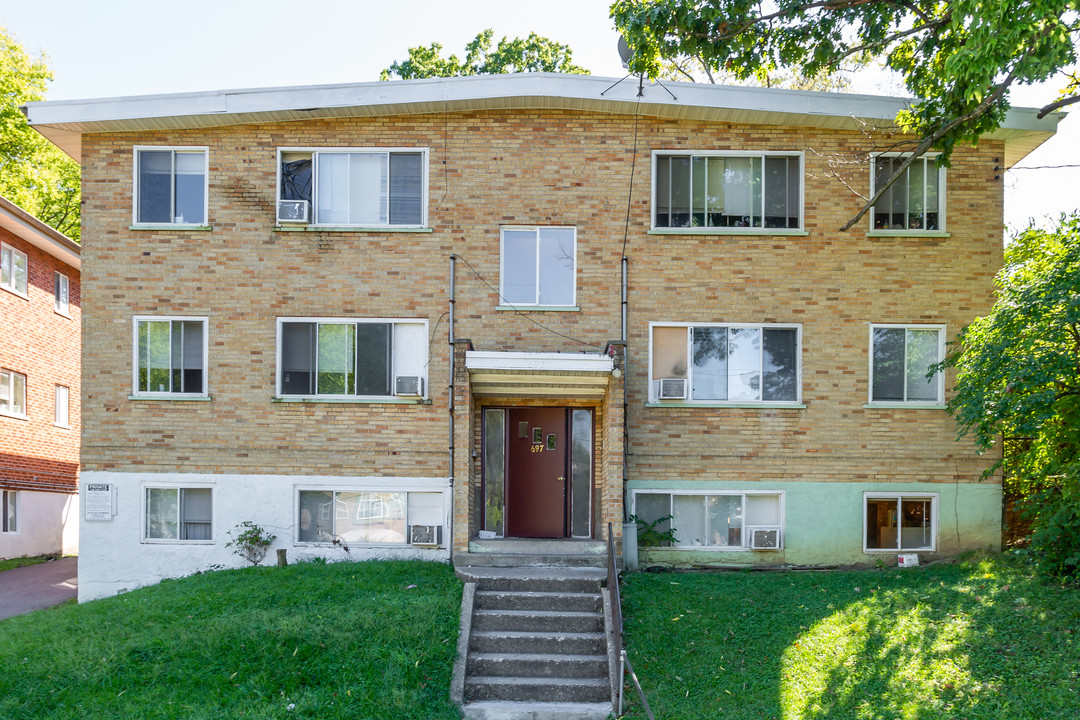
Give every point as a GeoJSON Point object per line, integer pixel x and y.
{"type": "Point", "coordinates": [27, 227]}
{"type": "Point", "coordinates": [538, 361]}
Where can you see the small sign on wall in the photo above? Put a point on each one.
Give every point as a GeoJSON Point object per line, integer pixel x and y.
{"type": "Point", "coordinates": [99, 503]}
{"type": "Point", "coordinates": [907, 560]}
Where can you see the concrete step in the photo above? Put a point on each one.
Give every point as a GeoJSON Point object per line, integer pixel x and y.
{"type": "Point", "coordinates": [569, 580]}
{"type": "Point", "coordinates": [537, 665]}
{"type": "Point", "coordinates": [514, 560]}
{"type": "Point", "coordinates": [538, 620]}
{"type": "Point", "coordinates": [545, 690]}
{"type": "Point", "coordinates": [533, 600]}
{"type": "Point", "coordinates": [496, 710]}
{"type": "Point", "coordinates": [539, 546]}
{"type": "Point", "coordinates": [507, 641]}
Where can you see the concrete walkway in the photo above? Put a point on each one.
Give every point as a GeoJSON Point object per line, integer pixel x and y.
{"type": "Point", "coordinates": [34, 587]}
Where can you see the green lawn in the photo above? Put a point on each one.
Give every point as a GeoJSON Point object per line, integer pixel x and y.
{"type": "Point", "coordinates": [342, 640]}
{"type": "Point", "coordinates": [982, 639]}
{"type": "Point", "coordinates": [12, 563]}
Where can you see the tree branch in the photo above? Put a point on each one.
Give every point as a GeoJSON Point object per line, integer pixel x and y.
{"type": "Point", "coordinates": [1047, 109]}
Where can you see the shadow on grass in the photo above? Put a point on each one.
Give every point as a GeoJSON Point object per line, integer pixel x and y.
{"type": "Point", "coordinates": [975, 640]}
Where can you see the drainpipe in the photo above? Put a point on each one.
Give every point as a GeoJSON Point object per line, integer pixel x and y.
{"type": "Point", "coordinates": [626, 377]}
{"type": "Point", "coordinates": [450, 444]}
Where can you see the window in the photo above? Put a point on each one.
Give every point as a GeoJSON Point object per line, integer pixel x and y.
{"type": "Point", "coordinates": [12, 393]}
{"type": "Point", "coordinates": [725, 363]}
{"type": "Point", "coordinates": [13, 270]}
{"type": "Point", "coordinates": [900, 358]}
{"type": "Point", "coordinates": [170, 185]}
{"type": "Point", "coordinates": [914, 201]}
{"type": "Point", "coordinates": [320, 357]}
{"type": "Point", "coordinates": [179, 513]}
{"type": "Point", "coordinates": [733, 190]}
{"type": "Point", "coordinates": [10, 511]}
{"type": "Point", "coordinates": [170, 356]}
{"type": "Point", "coordinates": [539, 265]}
{"type": "Point", "coordinates": [356, 187]}
{"type": "Point", "coordinates": [900, 522]}
{"type": "Point", "coordinates": [61, 291]}
{"type": "Point", "coordinates": [63, 410]}
{"type": "Point", "coordinates": [726, 521]}
{"type": "Point", "coordinates": [365, 517]}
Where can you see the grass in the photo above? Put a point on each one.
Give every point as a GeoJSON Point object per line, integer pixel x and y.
{"type": "Point", "coordinates": [12, 563]}
{"type": "Point", "coordinates": [980, 639]}
{"type": "Point", "coordinates": [341, 640]}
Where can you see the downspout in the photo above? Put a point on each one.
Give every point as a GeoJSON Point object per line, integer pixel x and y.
{"type": "Point", "coordinates": [626, 376]}
{"type": "Point", "coordinates": [450, 444]}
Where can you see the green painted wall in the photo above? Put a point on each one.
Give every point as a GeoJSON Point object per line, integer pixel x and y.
{"type": "Point", "coordinates": [823, 522]}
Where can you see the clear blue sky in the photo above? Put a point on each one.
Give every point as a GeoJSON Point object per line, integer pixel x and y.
{"type": "Point", "coordinates": [106, 48]}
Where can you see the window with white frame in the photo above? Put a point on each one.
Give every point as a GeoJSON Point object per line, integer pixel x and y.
{"type": "Point", "coordinates": [719, 520]}
{"type": "Point", "coordinates": [14, 270]}
{"type": "Point", "coordinates": [900, 522]}
{"type": "Point", "coordinates": [170, 356]}
{"type": "Point", "coordinates": [171, 185]}
{"type": "Point", "coordinates": [61, 294]}
{"type": "Point", "coordinates": [727, 190]}
{"type": "Point", "coordinates": [900, 359]}
{"type": "Point", "coordinates": [61, 397]}
{"type": "Point", "coordinates": [365, 517]}
{"type": "Point", "coordinates": [916, 200]}
{"type": "Point", "coordinates": [178, 513]}
{"type": "Point", "coordinates": [538, 265]}
{"type": "Point", "coordinates": [10, 511]}
{"type": "Point", "coordinates": [337, 357]}
{"type": "Point", "coordinates": [718, 363]}
{"type": "Point", "coordinates": [12, 393]}
{"type": "Point", "coordinates": [353, 187]}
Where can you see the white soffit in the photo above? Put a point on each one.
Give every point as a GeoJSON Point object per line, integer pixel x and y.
{"type": "Point", "coordinates": [64, 121]}
{"type": "Point", "coordinates": [23, 225]}
{"type": "Point", "coordinates": [579, 375]}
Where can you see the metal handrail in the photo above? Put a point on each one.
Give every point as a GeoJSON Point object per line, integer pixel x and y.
{"type": "Point", "coordinates": [617, 631]}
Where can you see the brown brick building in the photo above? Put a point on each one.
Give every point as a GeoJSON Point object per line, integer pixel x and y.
{"type": "Point", "coordinates": [40, 312]}
{"type": "Point", "coordinates": [405, 316]}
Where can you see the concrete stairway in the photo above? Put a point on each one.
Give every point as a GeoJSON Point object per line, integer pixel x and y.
{"type": "Point", "coordinates": [536, 645]}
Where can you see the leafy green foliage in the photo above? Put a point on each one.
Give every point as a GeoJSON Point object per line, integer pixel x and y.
{"type": "Point", "coordinates": [650, 534]}
{"type": "Point", "coordinates": [1018, 377]}
{"type": "Point", "coordinates": [34, 173]}
{"type": "Point", "coordinates": [533, 54]}
{"type": "Point", "coordinates": [250, 542]}
{"type": "Point", "coordinates": [981, 640]}
{"type": "Point", "coordinates": [336, 641]}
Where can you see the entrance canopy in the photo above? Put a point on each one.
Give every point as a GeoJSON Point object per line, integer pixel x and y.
{"type": "Point", "coordinates": [525, 374]}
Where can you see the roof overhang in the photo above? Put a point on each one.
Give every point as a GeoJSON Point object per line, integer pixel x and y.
{"type": "Point", "coordinates": [27, 227]}
{"type": "Point", "coordinates": [525, 374]}
{"type": "Point", "coordinates": [65, 121]}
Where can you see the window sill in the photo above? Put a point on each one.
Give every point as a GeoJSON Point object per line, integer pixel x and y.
{"type": "Point", "coordinates": [353, 401]}
{"type": "Point", "coordinates": [908, 233]}
{"type": "Point", "coordinates": [170, 226]}
{"type": "Point", "coordinates": [769, 232]}
{"type": "Point", "coordinates": [538, 308]}
{"type": "Point", "coordinates": [172, 398]}
{"type": "Point", "coordinates": [62, 314]}
{"type": "Point", "coordinates": [743, 406]}
{"type": "Point", "coordinates": [13, 416]}
{"type": "Point", "coordinates": [351, 228]}
{"type": "Point", "coordinates": [13, 291]}
{"type": "Point", "coordinates": [904, 406]}
{"type": "Point", "coordinates": [62, 427]}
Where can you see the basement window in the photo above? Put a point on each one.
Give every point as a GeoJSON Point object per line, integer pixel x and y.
{"type": "Point", "coordinates": [369, 517]}
{"type": "Point", "coordinates": [715, 520]}
{"type": "Point", "coordinates": [899, 523]}
{"type": "Point", "coordinates": [175, 514]}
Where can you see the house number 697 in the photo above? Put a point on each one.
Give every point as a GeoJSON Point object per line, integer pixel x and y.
{"type": "Point", "coordinates": [537, 448]}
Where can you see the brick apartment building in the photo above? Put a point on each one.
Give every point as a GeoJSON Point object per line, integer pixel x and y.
{"type": "Point", "coordinates": [39, 387]}
{"type": "Point", "coordinates": [407, 316]}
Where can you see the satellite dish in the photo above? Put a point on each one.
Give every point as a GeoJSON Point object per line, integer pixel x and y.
{"type": "Point", "coordinates": [625, 52]}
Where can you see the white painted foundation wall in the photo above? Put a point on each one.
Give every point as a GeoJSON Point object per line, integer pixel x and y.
{"type": "Point", "coordinates": [47, 524]}
{"type": "Point", "coordinates": [116, 557]}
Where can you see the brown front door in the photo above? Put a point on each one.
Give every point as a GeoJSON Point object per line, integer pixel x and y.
{"type": "Point", "coordinates": [536, 472]}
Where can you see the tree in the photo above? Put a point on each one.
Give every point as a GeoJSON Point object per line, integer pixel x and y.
{"type": "Point", "coordinates": [34, 173]}
{"type": "Point", "coordinates": [959, 58]}
{"type": "Point", "coordinates": [534, 54]}
{"type": "Point", "coordinates": [1018, 379]}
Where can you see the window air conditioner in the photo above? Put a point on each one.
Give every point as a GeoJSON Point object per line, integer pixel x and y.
{"type": "Point", "coordinates": [408, 385]}
{"type": "Point", "coordinates": [672, 389]}
{"type": "Point", "coordinates": [292, 211]}
{"type": "Point", "coordinates": [764, 538]}
{"type": "Point", "coordinates": [425, 535]}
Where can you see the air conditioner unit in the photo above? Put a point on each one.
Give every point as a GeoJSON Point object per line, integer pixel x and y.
{"type": "Point", "coordinates": [672, 389]}
{"type": "Point", "coordinates": [764, 538]}
{"type": "Point", "coordinates": [293, 211]}
{"type": "Point", "coordinates": [408, 385]}
{"type": "Point", "coordinates": [425, 535]}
